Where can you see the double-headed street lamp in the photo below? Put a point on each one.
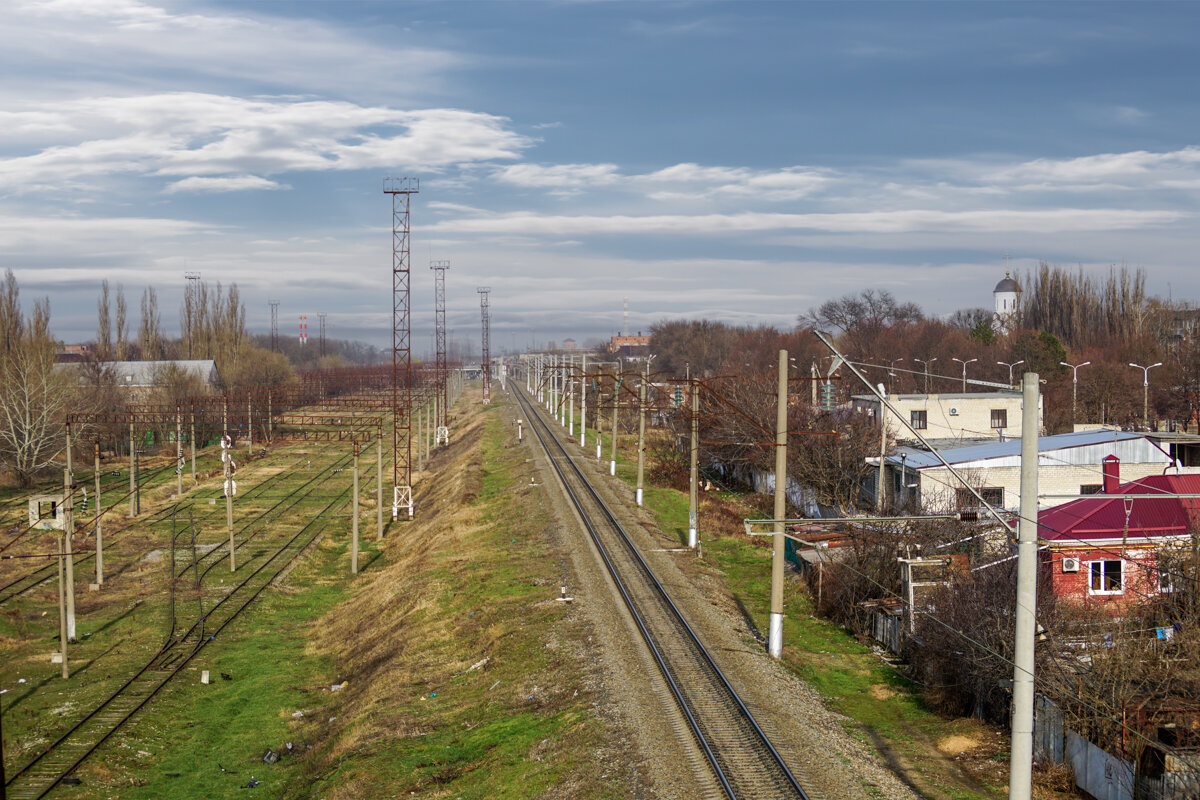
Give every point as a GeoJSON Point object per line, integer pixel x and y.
{"type": "Point", "coordinates": [925, 363]}
{"type": "Point", "coordinates": [1146, 391]}
{"type": "Point", "coordinates": [1010, 368]}
{"type": "Point", "coordinates": [964, 365]}
{"type": "Point", "coordinates": [1074, 385]}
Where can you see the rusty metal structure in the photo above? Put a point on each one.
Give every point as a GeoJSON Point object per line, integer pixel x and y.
{"type": "Point", "coordinates": [485, 361]}
{"type": "Point", "coordinates": [401, 191]}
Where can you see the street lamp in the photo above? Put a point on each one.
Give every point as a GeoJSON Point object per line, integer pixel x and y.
{"type": "Point", "coordinates": [891, 372]}
{"type": "Point", "coordinates": [926, 365]}
{"type": "Point", "coordinates": [1074, 385]}
{"type": "Point", "coordinates": [1010, 368]}
{"type": "Point", "coordinates": [964, 363]}
{"type": "Point", "coordinates": [1146, 391]}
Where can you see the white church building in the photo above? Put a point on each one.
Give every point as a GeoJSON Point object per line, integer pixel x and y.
{"type": "Point", "coordinates": [1007, 298]}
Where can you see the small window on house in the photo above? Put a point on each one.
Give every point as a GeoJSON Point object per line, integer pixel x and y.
{"type": "Point", "coordinates": [999, 417]}
{"type": "Point", "coordinates": [1090, 488]}
{"type": "Point", "coordinates": [1106, 577]}
{"type": "Point", "coordinates": [920, 420]}
{"type": "Point", "coordinates": [992, 495]}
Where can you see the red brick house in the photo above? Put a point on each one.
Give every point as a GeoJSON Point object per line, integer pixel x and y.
{"type": "Point", "coordinates": [1105, 549]}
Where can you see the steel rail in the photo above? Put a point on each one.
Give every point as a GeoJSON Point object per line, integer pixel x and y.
{"type": "Point", "coordinates": [702, 732]}
{"type": "Point", "coordinates": [159, 662]}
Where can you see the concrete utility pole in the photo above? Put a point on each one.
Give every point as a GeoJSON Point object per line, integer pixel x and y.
{"type": "Point", "coordinates": [227, 460]}
{"type": "Point", "coordinates": [99, 518]}
{"type": "Point", "coordinates": [68, 511]}
{"type": "Point", "coordinates": [192, 441]}
{"type": "Point", "coordinates": [1146, 391]}
{"type": "Point", "coordinates": [62, 590]}
{"type": "Point", "coordinates": [880, 493]}
{"type": "Point", "coordinates": [1020, 775]}
{"type": "Point", "coordinates": [694, 470]}
{"type": "Point", "coordinates": [354, 518]}
{"type": "Point", "coordinates": [775, 636]}
{"type": "Point", "coordinates": [571, 399]}
{"type": "Point", "coordinates": [641, 450]}
{"type": "Point", "coordinates": [379, 484]}
{"type": "Point", "coordinates": [132, 475]}
{"type": "Point", "coordinates": [178, 451]}
{"type": "Point", "coordinates": [612, 464]}
{"type": "Point", "coordinates": [583, 382]}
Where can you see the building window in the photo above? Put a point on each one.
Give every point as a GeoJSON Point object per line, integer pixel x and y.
{"type": "Point", "coordinates": [1106, 577]}
{"type": "Point", "coordinates": [920, 420]}
{"type": "Point", "coordinates": [999, 417]}
{"type": "Point", "coordinates": [1090, 488]}
{"type": "Point", "coordinates": [992, 495]}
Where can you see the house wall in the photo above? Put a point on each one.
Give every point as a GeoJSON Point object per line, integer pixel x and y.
{"type": "Point", "coordinates": [1139, 576]}
{"type": "Point", "coordinates": [937, 485]}
{"type": "Point", "coordinates": [973, 420]}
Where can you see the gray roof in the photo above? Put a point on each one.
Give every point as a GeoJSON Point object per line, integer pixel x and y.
{"type": "Point", "coordinates": [1007, 285]}
{"type": "Point", "coordinates": [148, 373]}
{"type": "Point", "coordinates": [1090, 447]}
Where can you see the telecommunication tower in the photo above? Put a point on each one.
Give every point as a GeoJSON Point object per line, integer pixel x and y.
{"type": "Point", "coordinates": [439, 327]}
{"type": "Point", "coordinates": [303, 329]}
{"type": "Point", "coordinates": [321, 316]}
{"type": "Point", "coordinates": [401, 190]}
{"type": "Point", "coordinates": [274, 326]}
{"type": "Point", "coordinates": [485, 363]}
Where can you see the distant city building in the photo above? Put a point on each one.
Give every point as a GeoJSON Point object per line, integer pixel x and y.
{"type": "Point", "coordinates": [629, 345]}
{"type": "Point", "coordinates": [569, 344]}
{"type": "Point", "coordinates": [74, 353]}
{"type": "Point", "coordinates": [1007, 300]}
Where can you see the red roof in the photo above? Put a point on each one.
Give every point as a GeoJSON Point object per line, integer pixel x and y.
{"type": "Point", "coordinates": [1103, 516]}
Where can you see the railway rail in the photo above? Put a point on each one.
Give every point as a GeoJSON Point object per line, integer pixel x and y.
{"type": "Point", "coordinates": [744, 762]}
{"type": "Point", "coordinates": [184, 641]}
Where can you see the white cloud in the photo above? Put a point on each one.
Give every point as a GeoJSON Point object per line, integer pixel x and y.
{"type": "Point", "coordinates": [193, 134]}
{"type": "Point", "coordinates": [233, 183]}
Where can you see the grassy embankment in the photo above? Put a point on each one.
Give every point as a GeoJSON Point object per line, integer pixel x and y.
{"type": "Point", "coordinates": [463, 674]}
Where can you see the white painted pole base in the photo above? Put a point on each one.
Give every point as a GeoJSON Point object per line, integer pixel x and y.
{"type": "Point", "coordinates": [639, 497]}
{"type": "Point", "coordinates": [582, 438]}
{"type": "Point", "coordinates": [693, 538]}
{"type": "Point", "coordinates": [597, 450]}
{"type": "Point", "coordinates": [402, 498]}
{"type": "Point", "coordinates": [775, 637]}
{"type": "Point", "coordinates": [612, 468]}
{"type": "Point", "coordinates": [571, 430]}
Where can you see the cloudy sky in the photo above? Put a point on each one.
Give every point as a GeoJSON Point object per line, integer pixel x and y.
{"type": "Point", "coordinates": [739, 161]}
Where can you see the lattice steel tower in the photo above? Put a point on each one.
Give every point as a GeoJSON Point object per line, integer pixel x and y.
{"type": "Point", "coordinates": [401, 190]}
{"type": "Point", "coordinates": [439, 327]}
{"type": "Point", "coordinates": [321, 316]}
{"type": "Point", "coordinates": [274, 327]}
{"type": "Point", "coordinates": [485, 363]}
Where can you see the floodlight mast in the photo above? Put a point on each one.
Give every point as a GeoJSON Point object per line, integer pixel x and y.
{"type": "Point", "coordinates": [401, 190]}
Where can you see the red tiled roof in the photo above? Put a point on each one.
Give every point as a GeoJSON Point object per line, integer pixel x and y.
{"type": "Point", "coordinates": [1103, 516]}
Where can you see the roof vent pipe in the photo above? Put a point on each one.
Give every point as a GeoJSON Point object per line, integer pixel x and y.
{"type": "Point", "coordinates": [1112, 474]}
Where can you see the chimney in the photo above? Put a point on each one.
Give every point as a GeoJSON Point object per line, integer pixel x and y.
{"type": "Point", "coordinates": [1112, 474]}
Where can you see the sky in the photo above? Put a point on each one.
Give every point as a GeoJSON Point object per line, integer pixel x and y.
{"type": "Point", "coordinates": [738, 161]}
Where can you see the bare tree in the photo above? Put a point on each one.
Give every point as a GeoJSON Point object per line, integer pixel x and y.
{"type": "Point", "coordinates": [122, 325]}
{"type": "Point", "coordinates": [34, 396]}
{"type": "Point", "coordinates": [150, 340]}
{"type": "Point", "coordinates": [104, 324]}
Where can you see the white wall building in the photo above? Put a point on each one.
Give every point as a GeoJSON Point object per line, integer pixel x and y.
{"type": "Point", "coordinates": [958, 415]}
{"type": "Point", "coordinates": [1069, 463]}
{"type": "Point", "coordinates": [1007, 301]}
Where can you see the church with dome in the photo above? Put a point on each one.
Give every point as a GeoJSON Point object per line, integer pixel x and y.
{"type": "Point", "coordinates": [1007, 299]}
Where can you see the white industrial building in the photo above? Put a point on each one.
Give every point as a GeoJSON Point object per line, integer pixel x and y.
{"type": "Point", "coordinates": [959, 416]}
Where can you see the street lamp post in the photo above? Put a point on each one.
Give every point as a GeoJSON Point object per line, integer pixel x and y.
{"type": "Point", "coordinates": [1010, 368]}
{"type": "Point", "coordinates": [964, 366]}
{"type": "Point", "coordinates": [925, 363]}
{"type": "Point", "coordinates": [891, 372]}
{"type": "Point", "coordinates": [1074, 385]}
{"type": "Point", "coordinates": [1146, 391]}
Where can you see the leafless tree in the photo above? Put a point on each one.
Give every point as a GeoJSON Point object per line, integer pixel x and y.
{"type": "Point", "coordinates": [150, 340]}
{"type": "Point", "coordinates": [104, 324]}
{"type": "Point", "coordinates": [121, 328]}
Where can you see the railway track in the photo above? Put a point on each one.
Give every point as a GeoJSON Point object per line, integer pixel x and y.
{"type": "Point", "coordinates": [743, 760]}
{"type": "Point", "coordinates": [186, 638]}
{"type": "Point", "coordinates": [36, 577]}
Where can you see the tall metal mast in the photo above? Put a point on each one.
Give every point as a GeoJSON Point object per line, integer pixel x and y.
{"type": "Point", "coordinates": [439, 326]}
{"type": "Point", "coordinates": [485, 363]}
{"type": "Point", "coordinates": [401, 190]}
